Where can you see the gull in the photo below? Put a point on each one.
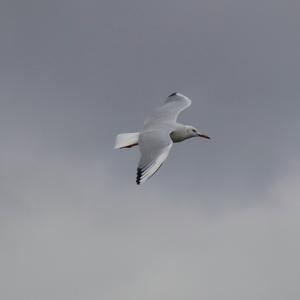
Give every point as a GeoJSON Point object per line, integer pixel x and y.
{"type": "Point", "coordinates": [159, 133]}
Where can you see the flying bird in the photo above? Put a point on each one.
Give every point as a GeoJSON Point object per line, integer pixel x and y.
{"type": "Point", "coordinates": [159, 133]}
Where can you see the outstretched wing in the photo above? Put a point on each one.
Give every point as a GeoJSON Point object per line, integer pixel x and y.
{"type": "Point", "coordinates": [154, 147]}
{"type": "Point", "coordinates": [169, 111]}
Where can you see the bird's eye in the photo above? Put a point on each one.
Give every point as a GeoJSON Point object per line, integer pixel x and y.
{"type": "Point", "coordinates": [194, 130]}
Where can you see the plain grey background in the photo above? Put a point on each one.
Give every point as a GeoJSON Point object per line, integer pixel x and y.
{"type": "Point", "coordinates": [220, 220]}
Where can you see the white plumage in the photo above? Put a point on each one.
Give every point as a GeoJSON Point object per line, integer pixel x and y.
{"type": "Point", "coordinates": [159, 133]}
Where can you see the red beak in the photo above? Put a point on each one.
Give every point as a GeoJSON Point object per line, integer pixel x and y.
{"type": "Point", "coordinates": [204, 136]}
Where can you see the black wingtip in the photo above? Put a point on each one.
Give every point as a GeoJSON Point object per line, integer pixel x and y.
{"type": "Point", "coordinates": [138, 176]}
{"type": "Point", "coordinates": [173, 94]}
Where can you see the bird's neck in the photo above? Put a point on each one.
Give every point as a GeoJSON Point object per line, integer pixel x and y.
{"type": "Point", "coordinates": [179, 134]}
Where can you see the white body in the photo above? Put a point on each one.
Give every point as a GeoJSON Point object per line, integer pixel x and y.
{"type": "Point", "coordinates": [128, 140]}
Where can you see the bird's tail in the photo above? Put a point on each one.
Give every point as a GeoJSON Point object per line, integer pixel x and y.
{"type": "Point", "coordinates": [126, 140]}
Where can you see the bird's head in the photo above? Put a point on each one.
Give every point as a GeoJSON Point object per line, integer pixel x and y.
{"type": "Point", "coordinates": [193, 132]}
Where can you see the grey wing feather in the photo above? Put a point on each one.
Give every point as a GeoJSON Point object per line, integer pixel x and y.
{"type": "Point", "coordinates": [154, 147]}
{"type": "Point", "coordinates": [169, 111]}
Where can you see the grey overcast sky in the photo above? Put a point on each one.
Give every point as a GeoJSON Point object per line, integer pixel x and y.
{"type": "Point", "coordinates": [220, 220]}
